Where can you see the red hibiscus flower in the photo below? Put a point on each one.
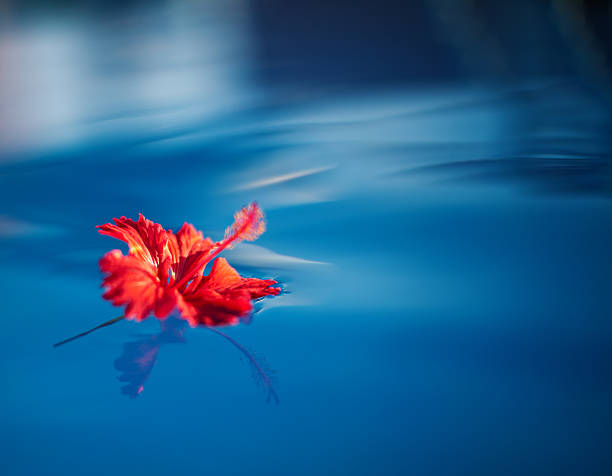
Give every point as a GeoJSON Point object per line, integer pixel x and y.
{"type": "Point", "coordinates": [164, 272]}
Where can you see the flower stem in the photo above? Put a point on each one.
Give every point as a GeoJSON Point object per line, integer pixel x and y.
{"type": "Point", "coordinates": [104, 324]}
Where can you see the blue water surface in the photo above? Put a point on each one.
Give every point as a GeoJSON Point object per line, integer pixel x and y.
{"type": "Point", "coordinates": [444, 247]}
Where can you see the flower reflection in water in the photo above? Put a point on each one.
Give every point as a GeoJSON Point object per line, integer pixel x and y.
{"type": "Point", "coordinates": [139, 357]}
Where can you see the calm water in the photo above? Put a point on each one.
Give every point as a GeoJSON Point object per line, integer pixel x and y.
{"type": "Point", "coordinates": [445, 248]}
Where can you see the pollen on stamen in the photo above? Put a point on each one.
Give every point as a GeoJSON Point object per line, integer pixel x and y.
{"type": "Point", "coordinates": [249, 224]}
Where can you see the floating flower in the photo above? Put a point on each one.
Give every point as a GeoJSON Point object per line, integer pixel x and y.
{"type": "Point", "coordinates": [164, 272]}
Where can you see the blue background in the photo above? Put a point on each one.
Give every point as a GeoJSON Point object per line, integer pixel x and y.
{"type": "Point", "coordinates": [436, 179]}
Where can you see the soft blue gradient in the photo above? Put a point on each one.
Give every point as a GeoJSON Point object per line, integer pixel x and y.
{"type": "Point", "coordinates": [444, 246]}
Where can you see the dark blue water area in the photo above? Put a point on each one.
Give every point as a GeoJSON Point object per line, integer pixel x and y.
{"type": "Point", "coordinates": [443, 245]}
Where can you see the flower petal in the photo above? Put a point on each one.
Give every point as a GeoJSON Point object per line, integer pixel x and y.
{"type": "Point", "coordinates": [190, 240]}
{"type": "Point", "coordinates": [147, 240]}
{"type": "Point", "coordinates": [224, 277]}
{"type": "Point", "coordinates": [132, 282]}
{"type": "Point", "coordinates": [223, 297]}
{"type": "Point", "coordinates": [187, 248]}
{"type": "Point", "coordinates": [211, 308]}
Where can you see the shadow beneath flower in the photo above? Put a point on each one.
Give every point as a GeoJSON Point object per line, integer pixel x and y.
{"type": "Point", "coordinates": [139, 357]}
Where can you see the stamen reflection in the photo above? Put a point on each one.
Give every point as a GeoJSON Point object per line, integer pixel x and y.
{"type": "Point", "coordinates": [139, 357]}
